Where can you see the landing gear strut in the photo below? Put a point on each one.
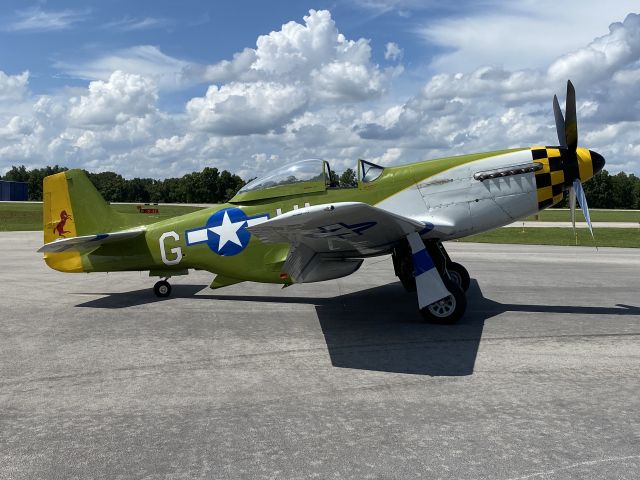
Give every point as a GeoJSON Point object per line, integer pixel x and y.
{"type": "Point", "coordinates": [162, 289]}
{"type": "Point", "coordinates": [403, 265]}
{"type": "Point", "coordinates": [446, 310]}
{"type": "Point", "coordinates": [459, 275]}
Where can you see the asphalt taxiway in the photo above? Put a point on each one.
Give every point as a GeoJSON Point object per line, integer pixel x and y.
{"type": "Point", "coordinates": [541, 379]}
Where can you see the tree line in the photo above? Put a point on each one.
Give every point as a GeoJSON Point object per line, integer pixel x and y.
{"type": "Point", "coordinates": [207, 186]}
{"type": "Point", "coordinates": [212, 186]}
{"type": "Point", "coordinates": [612, 191]}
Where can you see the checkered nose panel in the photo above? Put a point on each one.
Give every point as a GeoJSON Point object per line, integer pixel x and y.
{"type": "Point", "coordinates": [559, 169]}
{"type": "Point", "coordinates": [550, 179]}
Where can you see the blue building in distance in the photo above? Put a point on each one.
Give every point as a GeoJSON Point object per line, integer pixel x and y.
{"type": "Point", "coordinates": [13, 191]}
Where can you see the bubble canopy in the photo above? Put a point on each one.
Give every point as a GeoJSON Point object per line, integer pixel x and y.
{"type": "Point", "coordinates": [304, 176]}
{"type": "Point", "coordinates": [309, 170]}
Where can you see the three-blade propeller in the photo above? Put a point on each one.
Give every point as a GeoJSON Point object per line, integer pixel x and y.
{"type": "Point", "coordinates": [567, 129]}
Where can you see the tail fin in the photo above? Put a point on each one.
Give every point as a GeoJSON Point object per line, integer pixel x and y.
{"type": "Point", "coordinates": [72, 207]}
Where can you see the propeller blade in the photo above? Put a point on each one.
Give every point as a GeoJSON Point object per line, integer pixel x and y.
{"type": "Point", "coordinates": [571, 119]}
{"type": "Point", "coordinates": [559, 122]}
{"type": "Point", "coordinates": [582, 201]}
{"type": "Point", "coordinates": [572, 206]}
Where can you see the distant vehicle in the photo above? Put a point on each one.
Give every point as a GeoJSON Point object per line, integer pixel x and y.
{"type": "Point", "coordinates": [148, 209]}
{"type": "Point", "coordinates": [295, 226]}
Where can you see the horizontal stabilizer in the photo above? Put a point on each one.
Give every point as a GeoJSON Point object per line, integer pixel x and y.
{"type": "Point", "coordinates": [86, 242]}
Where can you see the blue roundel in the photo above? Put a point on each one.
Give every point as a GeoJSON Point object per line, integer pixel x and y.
{"type": "Point", "coordinates": [226, 231]}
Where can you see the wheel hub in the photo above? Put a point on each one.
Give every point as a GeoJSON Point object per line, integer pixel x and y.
{"type": "Point", "coordinates": [456, 277]}
{"type": "Point", "coordinates": [444, 307]}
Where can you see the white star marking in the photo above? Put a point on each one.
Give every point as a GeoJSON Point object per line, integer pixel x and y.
{"type": "Point", "coordinates": [228, 231]}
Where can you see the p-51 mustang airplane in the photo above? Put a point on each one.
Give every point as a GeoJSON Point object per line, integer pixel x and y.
{"type": "Point", "coordinates": [295, 226]}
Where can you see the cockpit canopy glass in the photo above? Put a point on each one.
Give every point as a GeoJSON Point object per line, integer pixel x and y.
{"type": "Point", "coordinates": [311, 170]}
{"type": "Point", "coordinates": [370, 171]}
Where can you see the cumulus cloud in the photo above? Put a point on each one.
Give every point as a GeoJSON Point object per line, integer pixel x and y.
{"type": "Point", "coordinates": [301, 52]}
{"type": "Point", "coordinates": [393, 51]}
{"type": "Point", "coordinates": [604, 56]}
{"type": "Point", "coordinates": [16, 129]}
{"type": "Point", "coordinates": [340, 81]}
{"type": "Point", "coordinates": [246, 108]}
{"type": "Point", "coordinates": [13, 87]}
{"type": "Point", "coordinates": [227, 70]}
{"type": "Point", "coordinates": [171, 145]}
{"type": "Point", "coordinates": [314, 55]}
{"type": "Point", "coordinates": [115, 101]}
{"type": "Point", "coordinates": [464, 113]}
{"type": "Point", "coordinates": [306, 90]}
{"type": "Point", "coordinates": [492, 107]}
{"type": "Point", "coordinates": [511, 86]}
{"type": "Point", "coordinates": [296, 66]}
{"type": "Point", "coordinates": [517, 34]}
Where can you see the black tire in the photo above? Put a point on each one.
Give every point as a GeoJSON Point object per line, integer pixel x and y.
{"type": "Point", "coordinates": [408, 281]}
{"type": "Point", "coordinates": [162, 289]}
{"type": "Point", "coordinates": [403, 267]}
{"type": "Point", "coordinates": [459, 275]}
{"type": "Point", "coordinates": [448, 310]}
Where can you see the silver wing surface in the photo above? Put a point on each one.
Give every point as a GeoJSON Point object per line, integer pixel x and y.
{"type": "Point", "coordinates": [328, 241]}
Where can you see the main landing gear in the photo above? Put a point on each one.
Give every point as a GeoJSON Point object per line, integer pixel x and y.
{"type": "Point", "coordinates": [162, 288]}
{"type": "Point", "coordinates": [447, 310]}
{"type": "Point", "coordinates": [459, 275]}
{"type": "Point", "coordinates": [454, 276]}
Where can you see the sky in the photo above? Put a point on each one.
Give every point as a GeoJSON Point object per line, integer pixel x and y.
{"type": "Point", "coordinates": [162, 88]}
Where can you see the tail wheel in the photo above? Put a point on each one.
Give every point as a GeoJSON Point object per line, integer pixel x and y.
{"type": "Point", "coordinates": [459, 275]}
{"type": "Point", "coordinates": [448, 310]}
{"type": "Point", "coordinates": [162, 289]}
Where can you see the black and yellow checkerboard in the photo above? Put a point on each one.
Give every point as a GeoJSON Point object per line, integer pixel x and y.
{"type": "Point", "coordinates": [549, 179]}
{"type": "Point", "coordinates": [559, 169]}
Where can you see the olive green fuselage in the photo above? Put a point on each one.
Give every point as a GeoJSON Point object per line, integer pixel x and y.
{"type": "Point", "coordinates": [447, 190]}
{"type": "Point", "coordinates": [258, 261]}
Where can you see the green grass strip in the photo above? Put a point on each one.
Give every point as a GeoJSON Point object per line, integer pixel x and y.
{"type": "Point", "coordinates": [605, 237]}
{"type": "Point", "coordinates": [16, 216]}
{"type": "Point", "coordinates": [555, 215]}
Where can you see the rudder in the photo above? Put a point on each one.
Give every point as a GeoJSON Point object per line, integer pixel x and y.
{"type": "Point", "coordinates": [72, 206]}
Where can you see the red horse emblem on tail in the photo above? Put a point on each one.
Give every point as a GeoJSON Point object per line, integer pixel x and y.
{"type": "Point", "coordinates": [64, 216]}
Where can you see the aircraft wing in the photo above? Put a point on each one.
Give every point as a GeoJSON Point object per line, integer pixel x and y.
{"type": "Point", "coordinates": [327, 239]}
{"type": "Point", "coordinates": [86, 242]}
{"type": "Point", "coordinates": [350, 228]}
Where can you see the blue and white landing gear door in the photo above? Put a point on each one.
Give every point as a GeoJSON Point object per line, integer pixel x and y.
{"type": "Point", "coordinates": [429, 284]}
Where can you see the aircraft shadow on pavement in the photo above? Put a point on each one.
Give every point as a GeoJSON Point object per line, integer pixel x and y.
{"type": "Point", "coordinates": [380, 329]}
{"type": "Point", "coordinates": [137, 297]}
